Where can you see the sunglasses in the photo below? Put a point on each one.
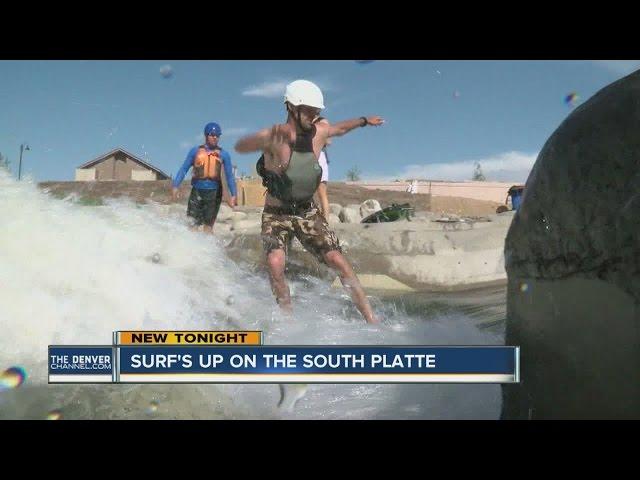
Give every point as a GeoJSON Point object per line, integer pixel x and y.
{"type": "Point", "coordinates": [309, 111]}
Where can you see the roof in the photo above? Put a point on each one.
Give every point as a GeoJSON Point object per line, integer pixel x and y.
{"type": "Point", "coordinates": [133, 157]}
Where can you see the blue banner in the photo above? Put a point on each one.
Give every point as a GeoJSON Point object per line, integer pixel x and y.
{"type": "Point", "coordinates": [305, 360]}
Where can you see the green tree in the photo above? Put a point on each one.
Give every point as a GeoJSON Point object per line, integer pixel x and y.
{"type": "Point", "coordinates": [353, 175]}
{"type": "Point", "coordinates": [478, 176]}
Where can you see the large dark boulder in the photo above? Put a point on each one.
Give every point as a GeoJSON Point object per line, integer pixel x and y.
{"type": "Point", "coordinates": [572, 256]}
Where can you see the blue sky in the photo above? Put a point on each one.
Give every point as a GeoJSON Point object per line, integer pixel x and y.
{"type": "Point", "coordinates": [441, 116]}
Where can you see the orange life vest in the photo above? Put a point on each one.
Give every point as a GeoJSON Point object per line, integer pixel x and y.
{"type": "Point", "coordinates": [206, 165]}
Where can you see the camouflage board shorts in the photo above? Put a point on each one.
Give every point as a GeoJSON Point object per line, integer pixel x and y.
{"type": "Point", "coordinates": [279, 225]}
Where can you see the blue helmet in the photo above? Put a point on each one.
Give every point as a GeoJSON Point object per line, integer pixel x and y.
{"type": "Point", "coordinates": [212, 128]}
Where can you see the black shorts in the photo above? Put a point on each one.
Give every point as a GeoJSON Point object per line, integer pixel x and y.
{"type": "Point", "coordinates": [204, 205]}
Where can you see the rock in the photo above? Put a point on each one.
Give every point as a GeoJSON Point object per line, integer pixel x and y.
{"type": "Point", "coordinates": [350, 214]}
{"type": "Point", "coordinates": [333, 219]}
{"type": "Point", "coordinates": [238, 216]}
{"type": "Point", "coordinates": [368, 207]}
{"type": "Point", "coordinates": [421, 255]}
{"type": "Point", "coordinates": [335, 208]}
{"type": "Point", "coordinates": [424, 217]}
{"type": "Point", "coordinates": [573, 263]}
{"type": "Point", "coordinates": [225, 213]}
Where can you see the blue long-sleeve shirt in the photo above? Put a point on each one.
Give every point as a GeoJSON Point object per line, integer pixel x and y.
{"type": "Point", "coordinates": [207, 184]}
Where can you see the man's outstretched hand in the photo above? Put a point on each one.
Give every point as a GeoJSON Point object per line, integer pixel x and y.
{"type": "Point", "coordinates": [375, 121]}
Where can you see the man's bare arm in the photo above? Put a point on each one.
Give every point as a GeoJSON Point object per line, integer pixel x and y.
{"type": "Point", "coordinates": [340, 128]}
{"type": "Point", "coordinates": [255, 142]}
{"type": "Point", "coordinates": [264, 139]}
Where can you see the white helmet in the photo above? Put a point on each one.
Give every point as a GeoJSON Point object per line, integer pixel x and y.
{"type": "Point", "coordinates": [304, 92]}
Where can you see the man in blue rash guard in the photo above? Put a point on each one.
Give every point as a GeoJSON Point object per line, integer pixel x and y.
{"type": "Point", "coordinates": [206, 192]}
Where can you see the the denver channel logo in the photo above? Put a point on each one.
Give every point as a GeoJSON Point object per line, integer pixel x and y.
{"type": "Point", "coordinates": [80, 362]}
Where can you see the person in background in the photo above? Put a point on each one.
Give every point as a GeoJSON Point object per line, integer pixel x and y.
{"type": "Point", "coordinates": [206, 185]}
{"type": "Point", "coordinates": [323, 160]}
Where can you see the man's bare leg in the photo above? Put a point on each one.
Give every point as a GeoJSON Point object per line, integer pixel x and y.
{"type": "Point", "coordinates": [350, 281]}
{"type": "Point", "coordinates": [276, 260]}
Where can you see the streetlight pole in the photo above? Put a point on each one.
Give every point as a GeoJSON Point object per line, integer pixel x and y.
{"type": "Point", "coordinates": [23, 147]}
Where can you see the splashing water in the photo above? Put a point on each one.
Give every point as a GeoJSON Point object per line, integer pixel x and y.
{"type": "Point", "coordinates": [166, 71]}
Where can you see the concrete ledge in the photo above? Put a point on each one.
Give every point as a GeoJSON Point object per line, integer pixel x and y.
{"type": "Point", "coordinates": [406, 256]}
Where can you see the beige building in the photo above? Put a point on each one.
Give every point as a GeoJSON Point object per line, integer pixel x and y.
{"type": "Point", "coordinates": [489, 191]}
{"type": "Point", "coordinates": [251, 193]}
{"type": "Point", "coordinates": [118, 164]}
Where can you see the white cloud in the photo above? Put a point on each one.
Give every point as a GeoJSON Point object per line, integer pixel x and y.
{"type": "Point", "coordinates": [266, 89]}
{"type": "Point", "coordinates": [619, 67]}
{"type": "Point", "coordinates": [506, 167]}
{"type": "Point", "coordinates": [275, 89]}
